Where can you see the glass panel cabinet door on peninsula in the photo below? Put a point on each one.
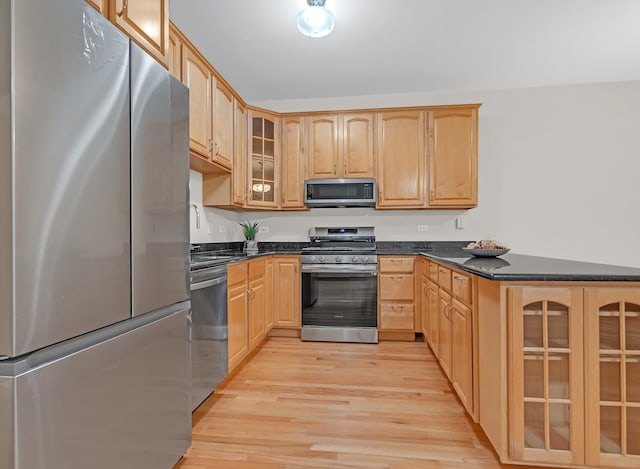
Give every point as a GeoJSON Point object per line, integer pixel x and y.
{"type": "Point", "coordinates": [546, 405]}
{"type": "Point", "coordinates": [263, 158]}
{"type": "Point", "coordinates": [613, 377]}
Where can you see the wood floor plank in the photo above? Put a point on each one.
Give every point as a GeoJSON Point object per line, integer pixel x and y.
{"type": "Point", "coordinates": [326, 405]}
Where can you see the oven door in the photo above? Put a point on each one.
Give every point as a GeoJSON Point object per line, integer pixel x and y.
{"type": "Point", "coordinates": [339, 303]}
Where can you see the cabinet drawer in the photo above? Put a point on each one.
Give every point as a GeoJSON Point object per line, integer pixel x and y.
{"type": "Point", "coordinates": [396, 287]}
{"type": "Point", "coordinates": [396, 264]}
{"type": "Point", "coordinates": [433, 271]}
{"type": "Point", "coordinates": [237, 273]}
{"type": "Point", "coordinates": [444, 277]}
{"type": "Point", "coordinates": [256, 268]}
{"type": "Point", "coordinates": [461, 287]}
{"type": "Point", "coordinates": [396, 316]}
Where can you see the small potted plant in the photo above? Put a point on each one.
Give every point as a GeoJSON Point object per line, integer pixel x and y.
{"type": "Point", "coordinates": [250, 229]}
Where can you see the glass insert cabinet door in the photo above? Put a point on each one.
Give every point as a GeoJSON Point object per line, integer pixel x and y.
{"type": "Point", "coordinates": [546, 396]}
{"type": "Point", "coordinates": [262, 170]}
{"type": "Point", "coordinates": [613, 376]}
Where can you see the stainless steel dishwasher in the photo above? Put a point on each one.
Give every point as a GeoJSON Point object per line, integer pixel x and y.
{"type": "Point", "coordinates": [209, 331]}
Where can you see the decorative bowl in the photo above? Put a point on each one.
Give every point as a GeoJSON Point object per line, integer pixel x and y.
{"type": "Point", "coordinates": [478, 252]}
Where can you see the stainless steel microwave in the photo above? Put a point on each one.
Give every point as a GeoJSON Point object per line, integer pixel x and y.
{"type": "Point", "coordinates": [340, 192]}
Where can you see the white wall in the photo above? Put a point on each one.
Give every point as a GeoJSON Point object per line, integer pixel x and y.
{"type": "Point", "coordinates": [212, 221]}
{"type": "Point", "coordinates": [558, 175]}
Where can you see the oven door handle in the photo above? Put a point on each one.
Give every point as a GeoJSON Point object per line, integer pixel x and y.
{"type": "Point", "coordinates": [208, 283]}
{"type": "Point", "coordinates": [342, 269]}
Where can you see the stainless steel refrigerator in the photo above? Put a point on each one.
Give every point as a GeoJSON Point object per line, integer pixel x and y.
{"type": "Point", "coordinates": [94, 296]}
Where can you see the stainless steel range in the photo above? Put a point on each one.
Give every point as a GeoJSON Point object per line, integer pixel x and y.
{"type": "Point", "coordinates": [339, 285]}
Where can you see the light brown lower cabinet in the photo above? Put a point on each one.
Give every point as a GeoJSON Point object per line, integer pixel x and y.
{"type": "Point", "coordinates": [613, 377]}
{"type": "Point", "coordinates": [546, 393]}
{"type": "Point", "coordinates": [462, 352]}
{"type": "Point", "coordinates": [433, 333]}
{"type": "Point", "coordinates": [256, 302]}
{"type": "Point", "coordinates": [444, 331]}
{"type": "Point", "coordinates": [423, 292]}
{"type": "Point", "coordinates": [559, 372]}
{"type": "Point", "coordinates": [448, 324]}
{"type": "Point", "coordinates": [237, 311]}
{"type": "Point", "coordinates": [249, 306]}
{"type": "Point", "coordinates": [268, 294]}
{"type": "Point", "coordinates": [287, 292]}
{"type": "Point", "coordinates": [396, 297]}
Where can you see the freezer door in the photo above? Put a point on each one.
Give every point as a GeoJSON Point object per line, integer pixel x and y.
{"type": "Point", "coordinates": [123, 403]}
{"type": "Point", "coordinates": [160, 180]}
{"type": "Point", "coordinates": [70, 190]}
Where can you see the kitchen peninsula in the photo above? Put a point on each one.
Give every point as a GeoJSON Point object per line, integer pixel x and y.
{"type": "Point", "coordinates": [543, 353]}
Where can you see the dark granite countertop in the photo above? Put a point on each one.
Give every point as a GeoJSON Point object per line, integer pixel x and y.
{"type": "Point", "coordinates": [508, 267]}
{"type": "Point", "coordinates": [519, 267]}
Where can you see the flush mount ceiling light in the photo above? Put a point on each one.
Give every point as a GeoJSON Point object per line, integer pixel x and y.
{"type": "Point", "coordinates": [316, 20]}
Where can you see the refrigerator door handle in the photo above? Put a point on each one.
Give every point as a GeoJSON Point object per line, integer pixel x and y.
{"type": "Point", "coordinates": [189, 317]}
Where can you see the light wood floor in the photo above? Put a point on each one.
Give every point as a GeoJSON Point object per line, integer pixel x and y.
{"type": "Point", "coordinates": [326, 405]}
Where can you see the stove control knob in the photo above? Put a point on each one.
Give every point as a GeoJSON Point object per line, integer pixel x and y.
{"type": "Point", "coordinates": [312, 258]}
{"type": "Point", "coordinates": [338, 258]}
{"type": "Point", "coordinates": [355, 259]}
{"type": "Point", "coordinates": [365, 259]}
{"type": "Point", "coordinates": [322, 258]}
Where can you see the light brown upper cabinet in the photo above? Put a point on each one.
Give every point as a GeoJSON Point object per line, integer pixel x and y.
{"type": "Point", "coordinates": [292, 180]}
{"type": "Point", "coordinates": [322, 139]}
{"type": "Point", "coordinates": [239, 185]}
{"type": "Point", "coordinates": [174, 56]}
{"type": "Point", "coordinates": [144, 21]}
{"type": "Point", "coordinates": [222, 125]}
{"type": "Point", "coordinates": [401, 159]}
{"type": "Point", "coordinates": [221, 188]}
{"type": "Point", "coordinates": [356, 145]}
{"type": "Point", "coordinates": [198, 78]}
{"type": "Point", "coordinates": [340, 146]}
{"type": "Point", "coordinates": [263, 159]}
{"type": "Point", "coordinates": [453, 158]}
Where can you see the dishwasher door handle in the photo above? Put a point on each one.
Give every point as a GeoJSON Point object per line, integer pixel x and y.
{"type": "Point", "coordinates": [208, 283]}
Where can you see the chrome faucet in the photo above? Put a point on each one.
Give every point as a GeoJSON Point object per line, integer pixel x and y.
{"type": "Point", "coordinates": [197, 215]}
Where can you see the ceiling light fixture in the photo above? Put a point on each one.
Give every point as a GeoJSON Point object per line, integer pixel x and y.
{"type": "Point", "coordinates": [316, 20]}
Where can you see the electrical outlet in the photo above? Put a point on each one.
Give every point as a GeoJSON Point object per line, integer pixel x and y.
{"type": "Point", "coordinates": [263, 229]}
{"type": "Point", "coordinates": [222, 228]}
{"type": "Point", "coordinates": [459, 223]}
{"type": "Point", "coordinates": [211, 229]}
{"type": "Point", "coordinates": [422, 227]}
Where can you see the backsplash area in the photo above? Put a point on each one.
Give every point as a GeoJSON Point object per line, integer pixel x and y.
{"type": "Point", "coordinates": [391, 225]}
